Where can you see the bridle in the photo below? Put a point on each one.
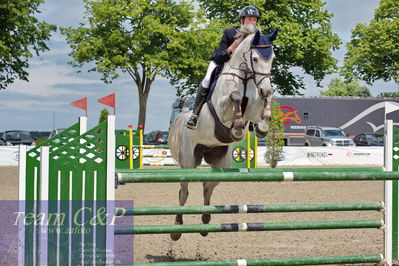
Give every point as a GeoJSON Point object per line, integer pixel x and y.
{"type": "Point", "coordinates": [250, 73]}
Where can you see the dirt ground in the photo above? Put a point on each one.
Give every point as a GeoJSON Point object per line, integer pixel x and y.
{"type": "Point", "coordinates": [251, 245]}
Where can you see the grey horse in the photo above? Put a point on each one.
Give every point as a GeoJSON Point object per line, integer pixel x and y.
{"type": "Point", "coordinates": [242, 94]}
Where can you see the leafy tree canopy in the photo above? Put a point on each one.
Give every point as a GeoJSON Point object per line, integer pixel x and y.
{"type": "Point", "coordinates": [305, 38]}
{"type": "Point", "coordinates": [373, 52]}
{"type": "Point", "coordinates": [337, 87]}
{"type": "Point", "coordinates": [103, 116]}
{"type": "Point", "coordinates": [144, 39]}
{"type": "Point", "coordinates": [388, 95]}
{"type": "Point", "coordinates": [20, 34]}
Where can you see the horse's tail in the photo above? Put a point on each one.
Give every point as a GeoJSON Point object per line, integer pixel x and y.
{"type": "Point", "coordinates": [175, 137]}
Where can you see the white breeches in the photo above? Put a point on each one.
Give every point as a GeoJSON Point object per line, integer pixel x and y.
{"type": "Point", "coordinates": [207, 79]}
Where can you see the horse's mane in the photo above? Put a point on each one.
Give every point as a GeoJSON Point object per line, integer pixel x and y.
{"type": "Point", "coordinates": [244, 30]}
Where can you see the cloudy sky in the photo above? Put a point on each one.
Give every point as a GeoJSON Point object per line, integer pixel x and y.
{"type": "Point", "coordinates": [44, 101]}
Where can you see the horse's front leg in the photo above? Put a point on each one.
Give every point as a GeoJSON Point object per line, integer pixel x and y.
{"type": "Point", "coordinates": [262, 126]}
{"type": "Point", "coordinates": [183, 195]}
{"type": "Point", "coordinates": [238, 122]}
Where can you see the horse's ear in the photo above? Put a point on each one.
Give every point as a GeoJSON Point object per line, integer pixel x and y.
{"type": "Point", "coordinates": [273, 36]}
{"type": "Point", "coordinates": [256, 38]}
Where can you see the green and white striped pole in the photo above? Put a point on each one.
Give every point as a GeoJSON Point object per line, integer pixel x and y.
{"type": "Point", "coordinates": [268, 208]}
{"type": "Point", "coordinates": [246, 227]}
{"type": "Point", "coordinates": [391, 192]}
{"type": "Point", "coordinates": [376, 258]}
{"type": "Point", "coordinates": [247, 175]}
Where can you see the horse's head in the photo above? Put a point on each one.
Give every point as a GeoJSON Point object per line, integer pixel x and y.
{"type": "Point", "coordinates": [261, 58]}
{"type": "Point", "coordinates": [257, 51]}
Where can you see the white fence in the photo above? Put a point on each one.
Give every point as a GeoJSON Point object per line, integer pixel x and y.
{"type": "Point", "coordinates": [293, 156]}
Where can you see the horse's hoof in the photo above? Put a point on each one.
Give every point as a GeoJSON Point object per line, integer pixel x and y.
{"type": "Point", "coordinates": [206, 218]}
{"type": "Point", "coordinates": [260, 133]}
{"type": "Point", "coordinates": [175, 237]}
{"type": "Point", "coordinates": [239, 124]}
{"type": "Point", "coordinates": [204, 233]}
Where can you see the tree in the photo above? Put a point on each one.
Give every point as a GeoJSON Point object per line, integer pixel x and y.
{"type": "Point", "coordinates": [305, 39]}
{"type": "Point", "coordinates": [388, 95]}
{"type": "Point", "coordinates": [103, 115]}
{"type": "Point", "coordinates": [275, 140]}
{"type": "Point", "coordinates": [143, 39]}
{"type": "Point", "coordinates": [20, 35]}
{"type": "Point", "coordinates": [338, 87]}
{"type": "Point", "coordinates": [373, 52]}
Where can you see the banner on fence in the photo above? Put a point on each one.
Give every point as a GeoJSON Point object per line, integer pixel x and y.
{"type": "Point", "coordinates": [292, 156]}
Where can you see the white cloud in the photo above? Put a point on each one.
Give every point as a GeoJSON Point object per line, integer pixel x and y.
{"type": "Point", "coordinates": [43, 81]}
{"type": "Point", "coordinates": [54, 84]}
{"type": "Point", "coordinates": [26, 105]}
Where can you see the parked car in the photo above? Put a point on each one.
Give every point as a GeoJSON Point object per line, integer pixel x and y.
{"type": "Point", "coordinates": [17, 137]}
{"type": "Point", "coordinates": [156, 137]}
{"type": "Point", "coordinates": [369, 139]}
{"type": "Point", "coordinates": [326, 136]}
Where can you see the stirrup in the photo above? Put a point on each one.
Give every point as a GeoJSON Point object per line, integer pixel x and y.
{"type": "Point", "coordinates": [192, 122]}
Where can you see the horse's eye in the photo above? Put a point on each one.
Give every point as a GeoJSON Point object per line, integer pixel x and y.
{"type": "Point", "coordinates": [255, 59]}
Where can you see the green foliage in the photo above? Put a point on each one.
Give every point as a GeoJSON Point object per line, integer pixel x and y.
{"type": "Point", "coordinates": [388, 95]}
{"type": "Point", "coordinates": [20, 35]}
{"type": "Point", "coordinates": [144, 39]}
{"type": "Point", "coordinates": [338, 87]}
{"type": "Point", "coordinates": [373, 52]}
{"type": "Point", "coordinates": [103, 115]}
{"type": "Point", "coordinates": [135, 35]}
{"type": "Point", "coordinates": [305, 39]}
{"type": "Point", "coordinates": [189, 67]}
{"type": "Point", "coordinates": [275, 140]}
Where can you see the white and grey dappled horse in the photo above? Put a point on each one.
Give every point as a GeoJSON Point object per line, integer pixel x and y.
{"type": "Point", "coordinates": [242, 94]}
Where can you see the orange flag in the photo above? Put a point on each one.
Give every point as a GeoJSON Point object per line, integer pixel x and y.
{"type": "Point", "coordinates": [81, 103]}
{"type": "Point", "coordinates": [108, 100]}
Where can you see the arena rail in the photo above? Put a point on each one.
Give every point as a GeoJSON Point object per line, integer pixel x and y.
{"type": "Point", "coordinates": [80, 171]}
{"type": "Point", "coordinates": [268, 208]}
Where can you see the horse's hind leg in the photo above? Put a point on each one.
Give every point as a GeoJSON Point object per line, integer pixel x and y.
{"type": "Point", "coordinates": [190, 160]}
{"type": "Point", "coordinates": [183, 195]}
{"type": "Point", "coordinates": [208, 190]}
{"type": "Point", "coordinates": [218, 157]}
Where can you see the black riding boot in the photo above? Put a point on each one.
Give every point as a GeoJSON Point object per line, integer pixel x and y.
{"type": "Point", "coordinates": [199, 100]}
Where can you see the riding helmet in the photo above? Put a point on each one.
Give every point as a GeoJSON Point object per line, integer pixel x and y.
{"type": "Point", "coordinates": [249, 11]}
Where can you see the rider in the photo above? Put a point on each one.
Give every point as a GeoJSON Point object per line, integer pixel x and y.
{"type": "Point", "coordinates": [228, 44]}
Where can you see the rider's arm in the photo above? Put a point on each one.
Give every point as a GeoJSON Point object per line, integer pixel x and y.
{"type": "Point", "coordinates": [233, 46]}
{"type": "Point", "coordinates": [221, 55]}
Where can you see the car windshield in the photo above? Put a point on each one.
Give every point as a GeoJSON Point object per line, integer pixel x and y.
{"type": "Point", "coordinates": [375, 138]}
{"type": "Point", "coordinates": [18, 135]}
{"type": "Point", "coordinates": [333, 133]}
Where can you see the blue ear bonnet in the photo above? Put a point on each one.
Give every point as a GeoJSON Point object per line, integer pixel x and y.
{"type": "Point", "coordinates": [263, 44]}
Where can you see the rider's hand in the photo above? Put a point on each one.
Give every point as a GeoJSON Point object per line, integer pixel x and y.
{"type": "Point", "coordinates": [233, 46]}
